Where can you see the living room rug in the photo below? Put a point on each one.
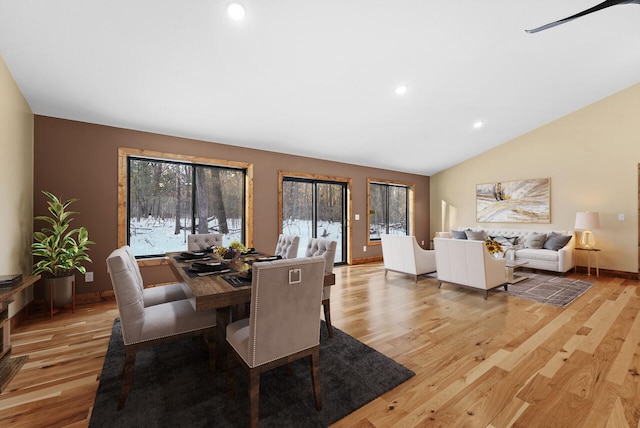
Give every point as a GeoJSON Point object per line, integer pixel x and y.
{"type": "Point", "coordinates": [172, 386]}
{"type": "Point", "coordinates": [548, 289]}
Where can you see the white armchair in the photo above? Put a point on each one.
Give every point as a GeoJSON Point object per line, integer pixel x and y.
{"type": "Point", "coordinates": [403, 254]}
{"type": "Point", "coordinates": [468, 263]}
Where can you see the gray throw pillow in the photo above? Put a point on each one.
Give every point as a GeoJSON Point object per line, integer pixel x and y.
{"type": "Point", "coordinates": [556, 241]}
{"type": "Point", "coordinates": [505, 241]}
{"type": "Point", "coordinates": [535, 241]}
{"type": "Point", "coordinates": [458, 234]}
{"type": "Point", "coordinates": [475, 235]}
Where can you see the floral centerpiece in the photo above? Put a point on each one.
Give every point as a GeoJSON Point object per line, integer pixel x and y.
{"type": "Point", "coordinates": [493, 247]}
{"type": "Point", "coordinates": [234, 250]}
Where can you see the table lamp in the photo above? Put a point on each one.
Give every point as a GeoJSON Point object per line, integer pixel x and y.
{"type": "Point", "coordinates": [587, 221]}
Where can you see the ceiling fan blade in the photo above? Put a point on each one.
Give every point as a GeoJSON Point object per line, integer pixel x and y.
{"type": "Point", "coordinates": [603, 5]}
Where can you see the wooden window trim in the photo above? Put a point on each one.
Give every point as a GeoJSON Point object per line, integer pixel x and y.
{"type": "Point", "coordinates": [124, 153]}
{"type": "Point", "coordinates": [411, 188]}
{"type": "Point", "coordinates": [348, 181]}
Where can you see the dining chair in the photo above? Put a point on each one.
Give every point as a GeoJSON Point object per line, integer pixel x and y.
{"type": "Point", "coordinates": [203, 241]}
{"type": "Point", "coordinates": [155, 295]}
{"type": "Point", "coordinates": [152, 325]}
{"type": "Point", "coordinates": [287, 246]}
{"type": "Point", "coordinates": [327, 249]}
{"type": "Point", "coordinates": [283, 324]}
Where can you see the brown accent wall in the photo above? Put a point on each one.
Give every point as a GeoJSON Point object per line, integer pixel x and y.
{"type": "Point", "coordinates": [79, 160]}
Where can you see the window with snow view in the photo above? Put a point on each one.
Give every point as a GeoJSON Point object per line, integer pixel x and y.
{"type": "Point", "coordinates": [388, 209]}
{"type": "Point", "coordinates": [168, 200]}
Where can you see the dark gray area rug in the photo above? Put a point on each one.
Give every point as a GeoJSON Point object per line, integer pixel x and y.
{"type": "Point", "coordinates": [548, 289]}
{"type": "Point", "coordinates": [173, 387]}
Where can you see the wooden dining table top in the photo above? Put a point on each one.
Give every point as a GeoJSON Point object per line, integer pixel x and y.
{"type": "Point", "coordinates": [213, 291]}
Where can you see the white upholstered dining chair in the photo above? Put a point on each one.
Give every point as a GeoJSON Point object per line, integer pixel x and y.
{"type": "Point", "coordinates": [287, 246]}
{"type": "Point", "coordinates": [327, 249]}
{"type": "Point", "coordinates": [283, 325]}
{"type": "Point", "coordinates": [144, 326]}
{"type": "Point", "coordinates": [203, 241]}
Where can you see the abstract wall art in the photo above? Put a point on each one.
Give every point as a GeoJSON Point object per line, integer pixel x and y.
{"type": "Point", "coordinates": [518, 201]}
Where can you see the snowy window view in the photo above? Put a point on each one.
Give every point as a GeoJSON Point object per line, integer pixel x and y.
{"type": "Point", "coordinates": [314, 209]}
{"type": "Point", "coordinates": [388, 210]}
{"type": "Point", "coordinates": [169, 200]}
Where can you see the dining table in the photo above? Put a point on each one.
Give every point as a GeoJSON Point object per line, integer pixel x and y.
{"type": "Point", "coordinates": [227, 290]}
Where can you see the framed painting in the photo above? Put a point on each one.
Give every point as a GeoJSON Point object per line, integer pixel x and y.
{"type": "Point", "coordinates": [518, 201]}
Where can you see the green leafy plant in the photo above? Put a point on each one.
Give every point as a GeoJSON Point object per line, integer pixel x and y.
{"type": "Point", "coordinates": [61, 251]}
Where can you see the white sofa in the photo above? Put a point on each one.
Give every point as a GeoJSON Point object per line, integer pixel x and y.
{"type": "Point", "coordinates": [560, 260]}
{"type": "Point", "coordinates": [468, 263]}
{"type": "Point", "coordinates": [403, 254]}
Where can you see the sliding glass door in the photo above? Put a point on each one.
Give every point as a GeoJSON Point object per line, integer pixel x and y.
{"type": "Point", "coordinates": [315, 209]}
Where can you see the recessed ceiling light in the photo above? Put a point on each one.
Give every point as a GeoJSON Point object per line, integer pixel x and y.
{"type": "Point", "coordinates": [478, 124]}
{"type": "Point", "coordinates": [236, 11]}
{"type": "Point", "coordinates": [401, 90]}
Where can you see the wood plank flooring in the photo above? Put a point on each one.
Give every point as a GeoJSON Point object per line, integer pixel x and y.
{"type": "Point", "coordinates": [502, 362]}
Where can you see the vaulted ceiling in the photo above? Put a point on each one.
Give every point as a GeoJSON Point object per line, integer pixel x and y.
{"type": "Point", "coordinates": [319, 78]}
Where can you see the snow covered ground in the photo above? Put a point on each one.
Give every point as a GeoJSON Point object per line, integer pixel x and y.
{"type": "Point", "coordinates": [156, 236]}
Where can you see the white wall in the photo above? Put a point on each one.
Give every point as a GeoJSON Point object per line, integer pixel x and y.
{"type": "Point", "coordinates": [16, 176]}
{"type": "Point", "coordinates": [592, 158]}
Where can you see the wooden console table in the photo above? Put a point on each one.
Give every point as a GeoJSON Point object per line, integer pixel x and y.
{"type": "Point", "coordinates": [10, 366]}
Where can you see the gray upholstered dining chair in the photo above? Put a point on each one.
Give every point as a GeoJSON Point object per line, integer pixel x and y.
{"type": "Point", "coordinates": [283, 325]}
{"type": "Point", "coordinates": [155, 295]}
{"type": "Point", "coordinates": [287, 246]}
{"type": "Point", "coordinates": [151, 325]}
{"type": "Point", "coordinates": [327, 249]}
{"type": "Point", "coordinates": [202, 241]}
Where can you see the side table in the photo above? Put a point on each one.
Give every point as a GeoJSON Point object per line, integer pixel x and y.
{"type": "Point", "coordinates": [589, 251]}
{"type": "Point", "coordinates": [511, 266]}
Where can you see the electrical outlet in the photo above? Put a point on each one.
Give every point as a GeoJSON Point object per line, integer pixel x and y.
{"type": "Point", "coordinates": [621, 217]}
{"type": "Point", "coordinates": [364, 248]}
{"type": "Point", "coordinates": [88, 277]}
{"type": "Point", "coordinates": [423, 242]}
{"type": "Point", "coordinates": [357, 216]}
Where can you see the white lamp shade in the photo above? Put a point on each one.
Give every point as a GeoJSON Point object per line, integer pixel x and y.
{"type": "Point", "coordinates": [587, 221]}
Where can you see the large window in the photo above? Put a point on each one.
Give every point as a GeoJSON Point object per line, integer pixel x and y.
{"type": "Point", "coordinates": [166, 200]}
{"type": "Point", "coordinates": [389, 209]}
{"type": "Point", "coordinates": [315, 207]}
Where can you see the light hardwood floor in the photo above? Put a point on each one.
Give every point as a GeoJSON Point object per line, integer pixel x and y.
{"type": "Point", "coordinates": [495, 363]}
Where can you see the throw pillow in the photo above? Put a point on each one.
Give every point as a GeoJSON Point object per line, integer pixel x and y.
{"type": "Point", "coordinates": [458, 234]}
{"type": "Point", "coordinates": [505, 240]}
{"type": "Point", "coordinates": [475, 235]}
{"type": "Point", "coordinates": [535, 241]}
{"type": "Point", "coordinates": [556, 241]}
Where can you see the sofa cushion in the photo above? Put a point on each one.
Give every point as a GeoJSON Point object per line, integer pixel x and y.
{"type": "Point", "coordinates": [475, 235]}
{"type": "Point", "coordinates": [555, 241]}
{"type": "Point", "coordinates": [458, 234]}
{"type": "Point", "coordinates": [535, 254]}
{"type": "Point", "coordinates": [535, 241]}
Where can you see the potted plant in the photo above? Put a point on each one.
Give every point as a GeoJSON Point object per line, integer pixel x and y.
{"type": "Point", "coordinates": [60, 251]}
